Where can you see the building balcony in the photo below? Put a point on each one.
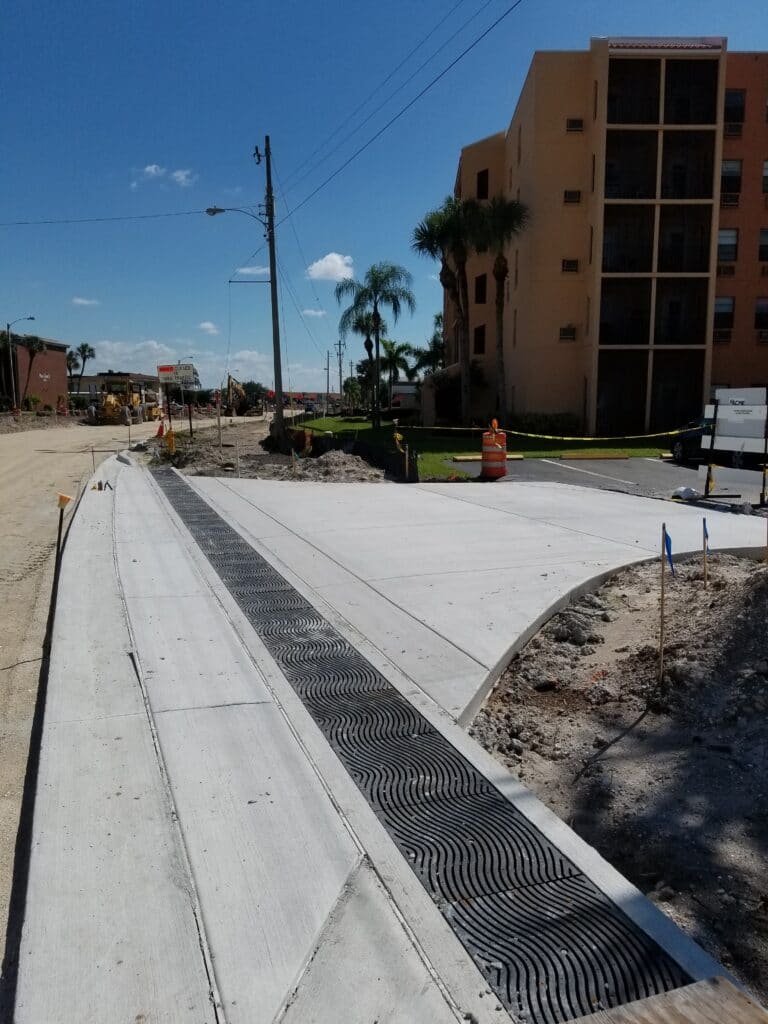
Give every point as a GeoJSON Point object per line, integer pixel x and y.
{"type": "Point", "coordinates": [687, 165]}
{"type": "Point", "coordinates": [633, 91]}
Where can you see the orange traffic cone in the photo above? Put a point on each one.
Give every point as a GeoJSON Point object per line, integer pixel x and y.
{"type": "Point", "coordinates": [161, 429]}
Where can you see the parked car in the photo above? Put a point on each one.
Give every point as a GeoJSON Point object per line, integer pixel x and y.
{"type": "Point", "coordinates": [686, 447]}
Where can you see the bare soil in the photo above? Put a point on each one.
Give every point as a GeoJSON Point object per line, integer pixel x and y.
{"type": "Point", "coordinates": [679, 804]}
{"type": "Point", "coordinates": [29, 421]}
{"type": "Point", "coordinates": [242, 454]}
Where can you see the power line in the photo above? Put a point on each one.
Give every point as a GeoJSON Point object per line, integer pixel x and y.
{"type": "Point", "coordinates": [392, 95]}
{"type": "Point", "coordinates": [292, 296]}
{"type": "Point", "coordinates": [373, 92]}
{"type": "Point", "coordinates": [404, 110]}
{"type": "Point", "coordinates": [99, 220]}
{"type": "Point", "coordinates": [304, 259]}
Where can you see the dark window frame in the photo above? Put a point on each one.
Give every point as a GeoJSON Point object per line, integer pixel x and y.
{"type": "Point", "coordinates": [724, 319]}
{"type": "Point", "coordinates": [481, 289]}
{"type": "Point", "coordinates": [482, 184]}
{"type": "Point", "coordinates": [478, 336]}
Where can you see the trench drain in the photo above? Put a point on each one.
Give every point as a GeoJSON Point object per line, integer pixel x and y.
{"type": "Point", "coordinates": [549, 943]}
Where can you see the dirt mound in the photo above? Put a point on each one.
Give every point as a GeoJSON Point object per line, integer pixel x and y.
{"type": "Point", "coordinates": [678, 804]}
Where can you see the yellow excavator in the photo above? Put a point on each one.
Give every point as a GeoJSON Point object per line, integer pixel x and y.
{"type": "Point", "coordinates": [235, 397]}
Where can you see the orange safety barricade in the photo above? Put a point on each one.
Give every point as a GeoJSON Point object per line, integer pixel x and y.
{"type": "Point", "coordinates": [494, 464]}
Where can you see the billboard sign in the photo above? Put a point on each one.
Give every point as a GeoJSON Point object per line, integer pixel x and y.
{"type": "Point", "coordinates": [178, 373]}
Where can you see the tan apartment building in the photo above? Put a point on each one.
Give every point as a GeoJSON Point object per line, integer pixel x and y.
{"type": "Point", "coordinates": [642, 279]}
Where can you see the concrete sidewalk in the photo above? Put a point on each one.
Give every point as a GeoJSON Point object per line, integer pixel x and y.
{"type": "Point", "coordinates": [200, 853]}
{"type": "Point", "coordinates": [446, 581]}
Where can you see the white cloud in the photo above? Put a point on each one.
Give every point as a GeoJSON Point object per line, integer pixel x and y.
{"type": "Point", "coordinates": [208, 327]}
{"type": "Point", "coordinates": [313, 312]}
{"type": "Point", "coordinates": [78, 300]}
{"type": "Point", "coordinates": [254, 271]}
{"type": "Point", "coordinates": [132, 356]}
{"type": "Point", "coordinates": [331, 267]}
{"type": "Point", "coordinates": [184, 178]}
{"type": "Point", "coordinates": [153, 171]}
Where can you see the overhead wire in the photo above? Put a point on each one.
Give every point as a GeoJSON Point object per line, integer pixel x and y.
{"type": "Point", "coordinates": [392, 95]}
{"type": "Point", "coordinates": [100, 220]}
{"type": "Point", "coordinates": [373, 92]}
{"type": "Point", "coordinates": [403, 110]}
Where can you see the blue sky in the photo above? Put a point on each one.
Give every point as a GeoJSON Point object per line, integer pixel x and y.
{"type": "Point", "coordinates": [117, 109]}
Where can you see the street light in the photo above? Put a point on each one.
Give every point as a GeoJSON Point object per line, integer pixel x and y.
{"type": "Point", "coordinates": [8, 327]}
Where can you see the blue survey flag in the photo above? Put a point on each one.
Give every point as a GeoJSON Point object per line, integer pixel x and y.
{"type": "Point", "coordinates": [706, 533]}
{"type": "Point", "coordinates": [668, 546]}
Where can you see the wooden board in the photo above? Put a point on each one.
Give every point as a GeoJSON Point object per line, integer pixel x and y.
{"type": "Point", "coordinates": [715, 1001]}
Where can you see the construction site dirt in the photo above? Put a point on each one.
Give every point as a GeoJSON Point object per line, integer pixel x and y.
{"type": "Point", "coordinates": [678, 803]}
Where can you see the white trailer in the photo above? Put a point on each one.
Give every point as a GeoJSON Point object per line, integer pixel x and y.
{"type": "Point", "coordinates": [736, 427]}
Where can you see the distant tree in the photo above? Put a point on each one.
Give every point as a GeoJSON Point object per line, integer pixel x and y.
{"type": "Point", "coordinates": [384, 286]}
{"type": "Point", "coordinates": [255, 391]}
{"type": "Point", "coordinates": [35, 347]}
{"type": "Point", "coordinates": [73, 363]}
{"type": "Point", "coordinates": [352, 391]}
{"type": "Point", "coordinates": [432, 358]}
{"type": "Point", "coordinates": [393, 361]}
{"type": "Point", "coordinates": [84, 352]}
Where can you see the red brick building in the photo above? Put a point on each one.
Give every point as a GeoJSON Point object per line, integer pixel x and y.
{"type": "Point", "coordinates": [48, 376]}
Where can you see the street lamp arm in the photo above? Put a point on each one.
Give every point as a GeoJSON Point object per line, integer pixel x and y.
{"type": "Point", "coordinates": [213, 211]}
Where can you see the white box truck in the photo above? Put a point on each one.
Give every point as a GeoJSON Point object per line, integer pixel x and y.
{"type": "Point", "coordinates": [736, 427]}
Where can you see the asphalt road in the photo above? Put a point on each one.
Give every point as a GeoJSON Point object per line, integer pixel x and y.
{"type": "Point", "coordinates": [647, 477]}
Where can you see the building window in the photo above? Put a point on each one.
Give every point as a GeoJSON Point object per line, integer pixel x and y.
{"type": "Point", "coordinates": [517, 265]}
{"type": "Point", "coordinates": [762, 251]}
{"type": "Point", "coordinates": [481, 288]}
{"type": "Point", "coordinates": [734, 110]}
{"type": "Point", "coordinates": [761, 315]}
{"type": "Point", "coordinates": [724, 307]}
{"type": "Point", "coordinates": [482, 184]}
{"type": "Point", "coordinates": [479, 340]}
{"type": "Point", "coordinates": [727, 245]}
{"type": "Point", "coordinates": [574, 124]}
{"type": "Point", "coordinates": [765, 176]}
{"type": "Point", "coordinates": [572, 195]}
{"type": "Point", "coordinates": [568, 333]}
{"type": "Point", "coordinates": [569, 266]}
{"type": "Point", "coordinates": [730, 179]}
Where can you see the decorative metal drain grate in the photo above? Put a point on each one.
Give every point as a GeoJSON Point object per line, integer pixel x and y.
{"type": "Point", "coordinates": [550, 944]}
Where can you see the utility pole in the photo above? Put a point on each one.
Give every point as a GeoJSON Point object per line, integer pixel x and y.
{"type": "Point", "coordinates": [327, 379]}
{"type": "Point", "coordinates": [270, 214]}
{"type": "Point", "coordinates": [340, 346]}
{"type": "Point", "coordinates": [351, 399]}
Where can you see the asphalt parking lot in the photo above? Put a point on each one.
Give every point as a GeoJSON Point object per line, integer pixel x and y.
{"type": "Point", "coordinates": [647, 477]}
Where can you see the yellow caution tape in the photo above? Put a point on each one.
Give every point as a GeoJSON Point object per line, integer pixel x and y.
{"type": "Point", "coordinates": [618, 437]}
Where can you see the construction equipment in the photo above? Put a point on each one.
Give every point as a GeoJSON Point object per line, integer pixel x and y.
{"type": "Point", "coordinates": [122, 397]}
{"type": "Point", "coordinates": [236, 397]}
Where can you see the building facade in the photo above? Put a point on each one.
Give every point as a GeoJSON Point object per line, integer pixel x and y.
{"type": "Point", "coordinates": [642, 278]}
{"type": "Point", "coordinates": [45, 377]}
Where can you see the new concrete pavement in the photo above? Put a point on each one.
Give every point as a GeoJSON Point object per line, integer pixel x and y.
{"type": "Point", "coordinates": [199, 852]}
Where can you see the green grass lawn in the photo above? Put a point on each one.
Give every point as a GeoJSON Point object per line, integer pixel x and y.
{"type": "Point", "coordinates": [436, 448]}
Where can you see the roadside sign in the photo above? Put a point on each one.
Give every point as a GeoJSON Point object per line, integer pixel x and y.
{"type": "Point", "coordinates": [177, 373]}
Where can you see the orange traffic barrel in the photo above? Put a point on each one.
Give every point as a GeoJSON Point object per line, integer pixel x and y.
{"type": "Point", "coordinates": [494, 464]}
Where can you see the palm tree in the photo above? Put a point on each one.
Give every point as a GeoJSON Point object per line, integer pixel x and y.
{"type": "Point", "coordinates": [431, 358]}
{"type": "Point", "coordinates": [449, 234]}
{"type": "Point", "coordinates": [502, 219]}
{"type": "Point", "coordinates": [394, 361]}
{"type": "Point", "coordinates": [35, 346]}
{"type": "Point", "coordinates": [384, 285]}
{"type": "Point", "coordinates": [84, 352]}
{"type": "Point", "coordinates": [73, 363]}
